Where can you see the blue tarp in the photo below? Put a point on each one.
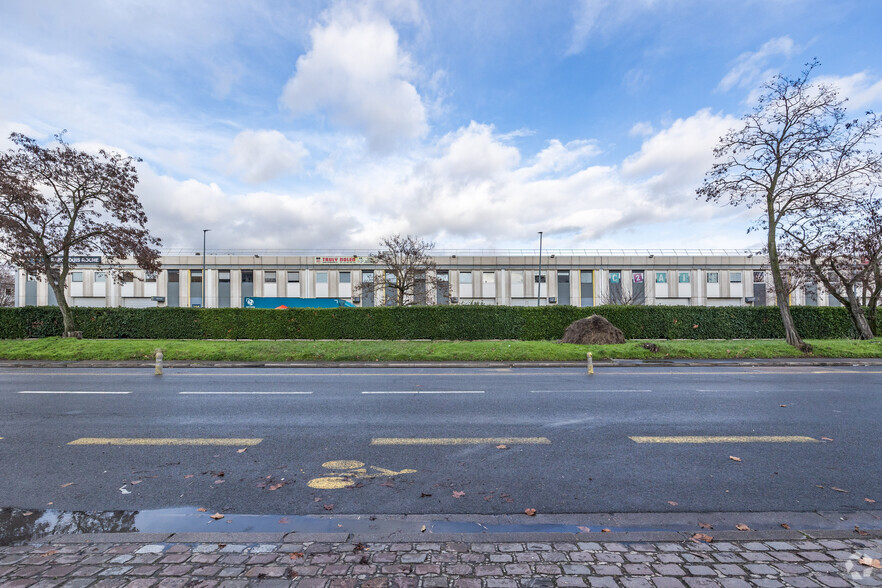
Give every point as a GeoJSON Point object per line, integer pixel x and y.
{"type": "Point", "coordinates": [275, 302]}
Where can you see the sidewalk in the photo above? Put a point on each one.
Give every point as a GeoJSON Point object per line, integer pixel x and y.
{"type": "Point", "coordinates": [537, 560]}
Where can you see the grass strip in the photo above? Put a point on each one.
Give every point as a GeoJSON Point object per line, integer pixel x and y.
{"type": "Point", "coordinates": [57, 349]}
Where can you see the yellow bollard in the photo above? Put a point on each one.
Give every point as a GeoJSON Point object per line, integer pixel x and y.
{"type": "Point", "coordinates": [158, 371]}
{"type": "Point", "coordinates": [590, 365]}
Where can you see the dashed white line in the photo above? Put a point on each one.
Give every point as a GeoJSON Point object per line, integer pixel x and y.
{"type": "Point", "coordinates": [423, 392]}
{"type": "Point", "coordinates": [246, 392]}
{"type": "Point", "coordinates": [72, 392]}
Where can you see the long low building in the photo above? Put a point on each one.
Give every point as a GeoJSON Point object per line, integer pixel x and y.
{"type": "Point", "coordinates": [573, 277]}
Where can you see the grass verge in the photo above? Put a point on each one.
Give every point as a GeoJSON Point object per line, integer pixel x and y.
{"type": "Point", "coordinates": [56, 349]}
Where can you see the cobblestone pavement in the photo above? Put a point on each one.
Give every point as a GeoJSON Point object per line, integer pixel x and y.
{"type": "Point", "coordinates": [78, 561]}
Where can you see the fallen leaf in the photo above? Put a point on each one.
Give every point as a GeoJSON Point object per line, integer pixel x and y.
{"type": "Point", "coordinates": [221, 545]}
{"type": "Point", "coordinates": [217, 516]}
{"type": "Point", "coordinates": [135, 482]}
{"type": "Point", "coordinates": [329, 506]}
{"type": "Point", "coordinates": [424, 495]}
{"type": "Point", "coordinates": [785, 526]}
{"type": "Point", "coordinates": [502, 447]}
{"type": "Point", "coordinates": [741, 527]}
{"type": "Point", "coordinates": [859, 532]}
{"type": "Point", "coordinates": [51, 503]}
{"type": "Point", "coordinates": [818, 486]}
{"type": "Point", "coordinates": [423, 529]}
{"type": "Point", "coordinates": [66, 485]}
{"type": "Point", "coordinates": [243, 450]}
{"type": "Point", "coordinates": [826, 439]}
{"type": "Point", "coordinates": [783, 406]}
{"type": "Point", "coordinates": [284, 521]}
{"type": "Point", "coordinates": [530, 512]}
{"type": "Point", "coordinates": [388, 484]}
{"type": "Point", "coordinates": [702, 537]}
{"type": "Point", "coordinates": [488, 497]}
{"type": "Point", "coordinates": [48, 553]}
{"type": "Point", "coordinates": [276, 486]}
{"type": "Point", "coordinates": [868, 561]}
{"type": "Point", "coordinates": [606, 531]}
{"type": "Point", "coordinates": [188, 476]}
{"type": "Point", "coordinates": [228, 521]}
{"type": "Point", "coordinates": [838, 489]}
{"type": "Point", "coordinates": [319, 499]}
{"type": "Point", "coordinates": [458, 494]}
{"type": "Point", "coordinates": [672, 503]}
{"type": "Point", "coordinates": [733, 458]}
{"type": "Point", "coordinates": [296, 555]}
{"type": "Point", "coordinates": [27, 514]}
{"type": "Point", "coordinates": [584, 529]}
{"type": "Point", "coordinates": [507, 499]}
{"type": "Point", "coordinates": [705, 525]}
{"type": "Point", "coordinates": [200, 509]}
{"type": "Point", "coordinates": [870, 500]}
{"type": "Point", "coordinates": [218, 481]}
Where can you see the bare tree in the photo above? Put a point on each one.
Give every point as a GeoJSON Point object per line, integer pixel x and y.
{"type": "Point", "coordinates": [841, 245]}
{"type": "Point", "coordinates": [409, 271]}
{"type": "Point", "coordinates": [60, 202]}
{"type": "Point", "coordinates": [795, 150]}
{"type": "Point", "coordinates": [7, 285]}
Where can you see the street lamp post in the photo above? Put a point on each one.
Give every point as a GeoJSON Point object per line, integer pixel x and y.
{"type": "Point", "coordinates": [204, 232]}
{"type": "Point", "coordinates": [539, 277]}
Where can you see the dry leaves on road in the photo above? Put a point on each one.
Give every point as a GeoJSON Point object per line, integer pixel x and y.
{"type": "Point", "coordinates": [388, 484]}
{"type": "Point", "coordinates": [284, 521]}
{"type": "Point", "coordinates": [672, 503]}
{"type": "Point", "coordinates": [606, 530]}
{"type": "Point", "coordinates": [217, 516]}
{"type": "Point", "coordinates": [828, 439]}
{"type": "Point", "coordinates": [858, 530]}
{"type": "Point", "coordinates": [66, 485]}
{"type": "Point", "coordinates": [502, 447]}
{"type": "Point", "coordinates": [530, 512]}
{"type": "Point", "coordinates": [705, 525]}
{"type": "Point", "coordinates": [698, 537]}
{"type": "Point", "coordinates": [243, 450]}
{"type": "Point", "coordinates": [838, 489]}
{"type": "Point", "coordinates": [742, 527]}
{"type": "Point", "coordinates": [328, 507]}
{"type": "Point", "coordinates": [869, 561]}
{"type": "Point", "coordinates": [870, 500]}
{"type": "Point", "coordinates": [785, 526]}
{"type": "Point", "coordinates": [733, 458]}
{"type": "Point", "coordinates": [584, 529]}
{"type": "Point", "coordinates": [458, 494]}
{"type": "Point", "coordinates": [296, 555]}
{"type": "Point", "coordinates": [188, 476]}
{"type": "Point", "coordinates": [200, 509]}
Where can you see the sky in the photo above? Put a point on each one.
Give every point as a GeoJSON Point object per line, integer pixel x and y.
{"type": "Point", "coordinates": [330, 125]}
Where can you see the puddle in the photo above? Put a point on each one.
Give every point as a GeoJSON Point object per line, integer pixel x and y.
{"type": "Point", "coordinates": [20, 525]}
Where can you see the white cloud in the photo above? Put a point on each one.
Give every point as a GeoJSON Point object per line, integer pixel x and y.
{"type": "Point", "coordinates": [599, 17]}
{"type": "Point", "coordinates": [751, 68]}
{"type": "Point", "coordinates": [356, 73]}
{"type": "Point", "coordinates": [641, 129]}
{"type": "Point", "coordinates": [859, 88]}
{"type": "Point", "coordinates": [260, 156]}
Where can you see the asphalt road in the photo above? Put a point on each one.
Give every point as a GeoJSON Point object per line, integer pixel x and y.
{"type": "Point", "coordinates": [568, 440]}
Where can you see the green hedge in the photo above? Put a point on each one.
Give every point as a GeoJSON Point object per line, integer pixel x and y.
{"type": "Point", "coordinates": [423, 322]}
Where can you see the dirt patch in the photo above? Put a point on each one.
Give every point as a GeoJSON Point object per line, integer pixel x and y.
{"type": "Point", "coordinates": [594, 330]}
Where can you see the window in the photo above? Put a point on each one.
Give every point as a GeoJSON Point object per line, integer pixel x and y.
{"type": "Point", "coordinates": [661, 277]}
{"type": "Point", "coordinates": [465, 277]}
{"type": "Point", "coordinates": [247, 276]}
{"type": "Point", "coordinates": [759, 277]}
{"type": "Point", "coordinates": [76, 277]}
{"type": "Point", "coordinates": [345, 277]}
{"type": "Point", "coordinates": [100, 277]}
{"type": "Point", "coordinates": [713, 277]}
{"type": "Point", "coordinates": [223, 276]}
{"type": "Point", "coordinates": [269, 277]}
{"type": "Point", "coordinates": [734, 277]}
{"type": "Point", "coordinates": [684, 277]}
{"type": "Point", "coordinates": [321, 277]}
{"type": "Point", "coordinates": [293, 277]}
{"type": "Point", "coordinates": [615, 277]}
{"type": "Point", "coordinates": [151, 277]}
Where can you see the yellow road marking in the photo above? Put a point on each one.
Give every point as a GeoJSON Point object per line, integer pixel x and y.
{"type": "Point", "coordinates": [351, 470]}
{"type": "Point", "coordinates": [161, 441]}
{"type": "Point", "coordinates": [726, 439]}
{"type": "Point", "coordinates": [459, 440]}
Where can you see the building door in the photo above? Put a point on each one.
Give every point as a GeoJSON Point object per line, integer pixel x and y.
{"type": "Point", "coordinates": [586, 281]}
{"type": "Point", "coordinates": [367, 288]}
{"type": "Point", "coordinates": [173, 290]}
{"type": "Point", "coordinates": [563, 287]}
{"type": "Point", "coordinates": [223, 288]}
{"type": "Point", "coordinates": [638, 288]}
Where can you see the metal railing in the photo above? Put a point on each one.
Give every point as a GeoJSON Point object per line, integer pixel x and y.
{"type": "Point", "coordinates": [184, 251]}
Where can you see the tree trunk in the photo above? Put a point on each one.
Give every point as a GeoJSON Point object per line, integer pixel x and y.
{"type": "Point", "coordinates": [791, 335]}
{"type": "Point", "coordinates": [66, 316]}
{"type": "Point", "coordinates": [857, 314]}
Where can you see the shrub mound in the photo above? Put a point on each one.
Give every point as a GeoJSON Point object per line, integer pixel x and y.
{"type": "Point", "coordinates": [594, 330]}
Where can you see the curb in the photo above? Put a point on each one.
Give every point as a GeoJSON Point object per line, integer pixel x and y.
{"type": "Point", "coordinates": [621, 363]}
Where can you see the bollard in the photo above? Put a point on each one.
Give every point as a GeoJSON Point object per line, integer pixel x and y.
{"type": "Point", "coordinates": [158, 371]}
{"type": "Point", "coordinates": [590, 365]}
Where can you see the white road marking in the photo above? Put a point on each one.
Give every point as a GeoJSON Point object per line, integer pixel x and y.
{"type": "Point", "coordinates": [71, 392]}
{"type": "Point", "coordinates": [584, 390]}
{"type": "Point", "coordinates": [240, 392]}
{"type": "Point", "coordinates": [423, 392]}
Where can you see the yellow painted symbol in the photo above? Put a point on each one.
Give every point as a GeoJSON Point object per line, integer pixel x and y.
{"type": "Point", "coordinates": [346, 471]}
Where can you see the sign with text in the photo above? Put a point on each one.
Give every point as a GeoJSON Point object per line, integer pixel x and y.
{"type": "Point", "coordinates": [343, 259]}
